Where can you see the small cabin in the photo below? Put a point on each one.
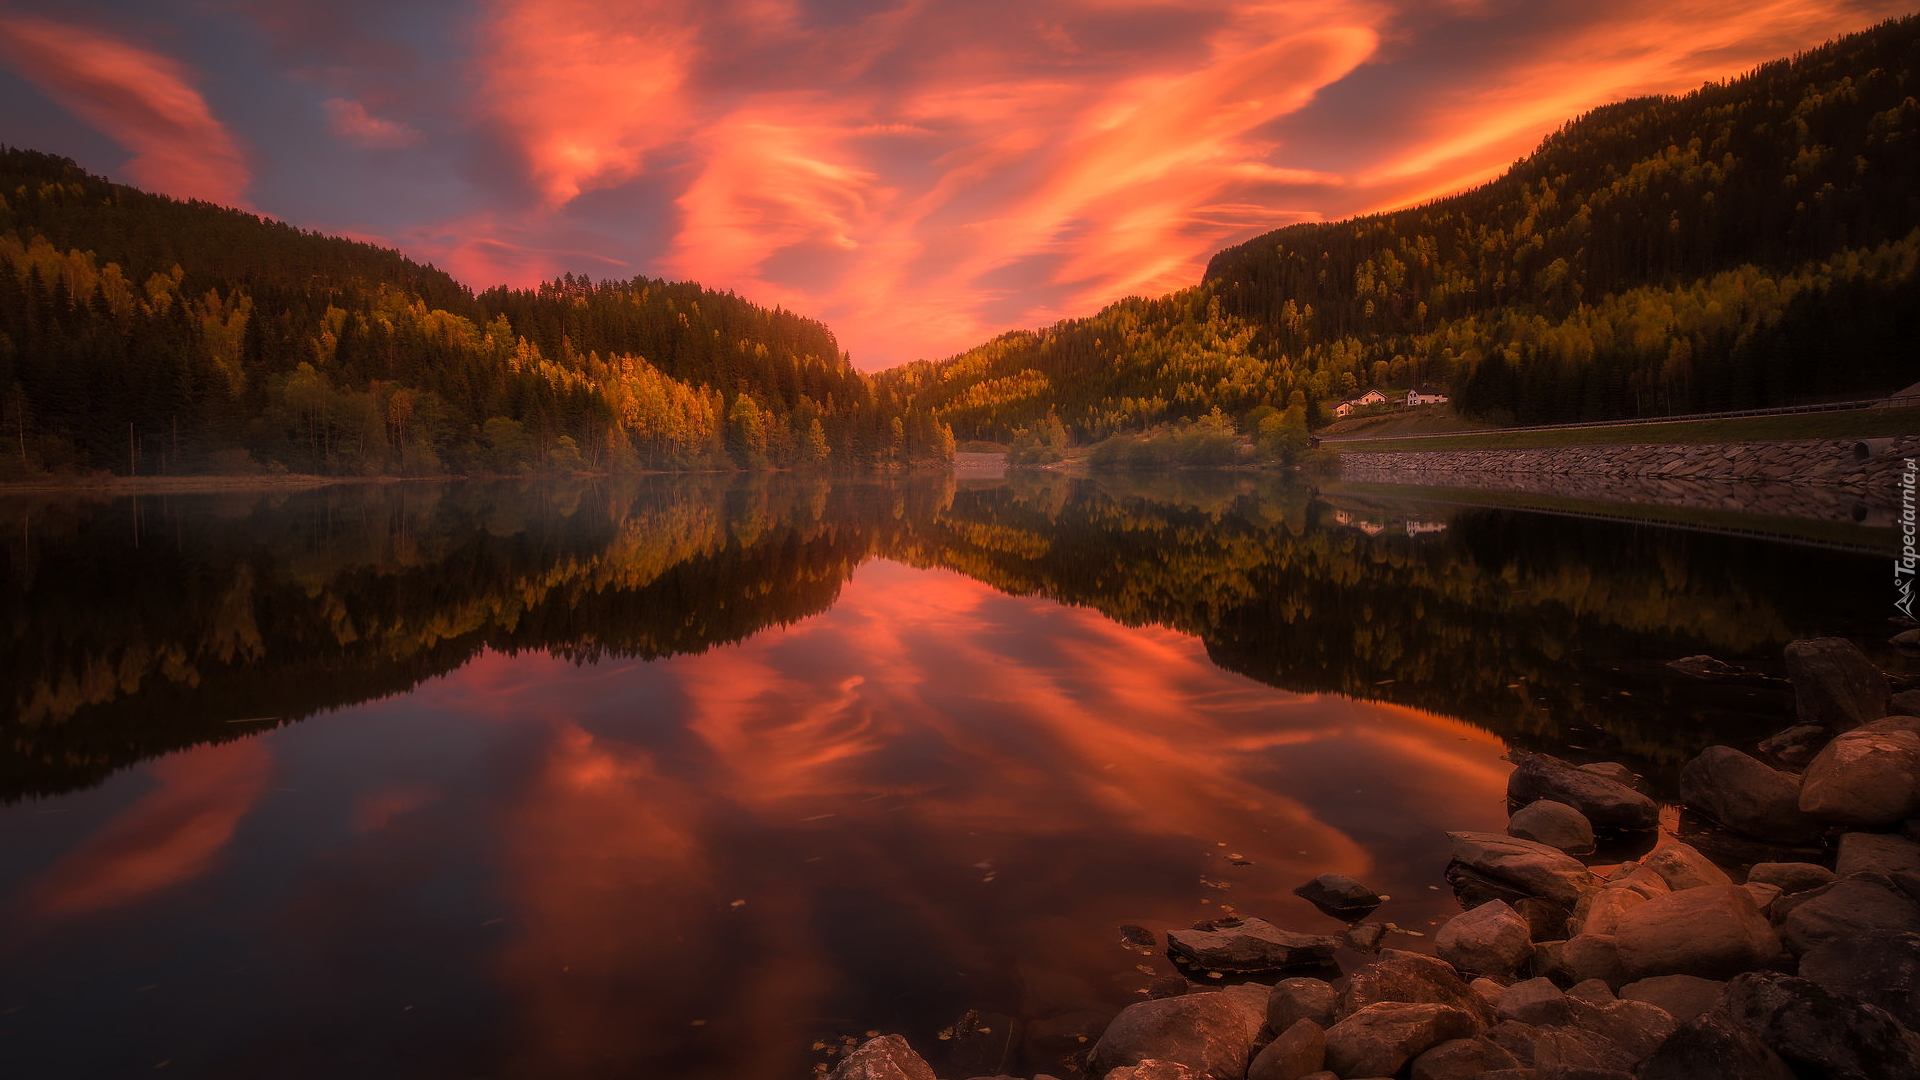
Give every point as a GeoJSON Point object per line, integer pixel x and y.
{"type": "Point", "coordinates": [1359, 401]}
{"type": "Point", "coordinates": [1426, 395]}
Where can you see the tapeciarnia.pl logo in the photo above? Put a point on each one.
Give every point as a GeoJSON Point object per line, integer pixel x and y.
{"type": "Point", "coordinates": [1904, 564]}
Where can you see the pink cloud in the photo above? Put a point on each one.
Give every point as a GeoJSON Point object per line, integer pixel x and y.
{"type": "Point", "coordinates": [924, 176]}
{"type": "Point", "coordinates": [142, 100]}
{"type": "Point", "coordinates": [351, 121]}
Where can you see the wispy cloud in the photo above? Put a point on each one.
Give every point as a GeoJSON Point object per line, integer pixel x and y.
{"type": "Point", "coordinates": [139, 98]}
{"type": "Point", "coordinates": [351, 121]}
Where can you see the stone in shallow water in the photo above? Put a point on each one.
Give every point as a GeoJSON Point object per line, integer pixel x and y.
{"type": "Point", "coordinates": [1797, 745]}
{"type": "Point", "coordinates": [1339, 896]}
{"type": "Point", "coordinates": [1834, 683]}
{"type": "Point", "coordinates": [1607, 803]}
{"type": "Point", "coordinates": [885, 1058]}
{"type": "Point", "coordinates": [1529, 868]}
{"type": "Point", "coordinates": [1554, 824]}
{"type": "Point", "coordinates": [1747, 796]}
{"type": "Point", "coordinates": [1249, 946]}
{"type": "Point", "coordinates": [1404, 977]}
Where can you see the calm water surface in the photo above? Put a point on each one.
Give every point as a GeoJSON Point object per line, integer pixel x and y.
{"type": "Point", "coordinates": [677, 778]}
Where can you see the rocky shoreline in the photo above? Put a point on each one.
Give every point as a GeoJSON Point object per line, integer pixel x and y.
{"type": "Point", "coordinates": [1783, 943]}
{"type": "Point", "coordinates": [1822, 479]}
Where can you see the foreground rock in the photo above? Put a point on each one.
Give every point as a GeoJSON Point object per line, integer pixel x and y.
{"type": "Point", "coordinates": [1524, 867]}
{"type": "Point", "coordinates": [1607, 804]}
{"type": "Point", "coordinates": [1834, 684]}
{"type": "Point", "coordinates": [1797, 745]}
{"type": "Point", "coordinates": [1294, 1000]}
{"type": "Point", "coordinates": [1213, 1034]}
{"type": "Point", "coordinates": [1712, 932]}
{"type": "Point", "coordinates": [1339, 896]}
{"type": "Point", "coordinates": [1790, 877]}
{"type": "Point", "coordinates": [1249, 947]}
{"type": "Point", "coordinates": [1747, 796]}
{"type": "Point", "coordinates": [1819, 1032]}
{"type": "Point", "coordinates": [885, 1058]}
{"type": "Point", "coordinates": [1682, 997]}
{"type": "Point", "coordinates": [1714, 1047]}
{"type": "Point", "coordinates": [1298, 1051]}
{"type": "Point", "coordinates": [1847, 908]}
{"type": "Point", "coordinates": [1379, 1039]}
{"type": "Point", "coordinates": [1867, 778]}
{"type": "Point", "coordinates": [1492, 939]}
{"type": "Point", "coordinates": [1411, 978]}
{"type": "Point", "coordinates": [1554, 824]}
{"type": "Point", "coordinates": [1880, 967]}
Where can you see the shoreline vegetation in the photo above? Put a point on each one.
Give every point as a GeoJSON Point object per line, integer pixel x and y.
{"type": "Point", "coordinates": [1765, 928]}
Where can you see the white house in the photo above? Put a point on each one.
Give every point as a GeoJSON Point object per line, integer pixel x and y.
{"type": "Point", "coordinates": [1424, 395]}
{"type": "Point", "coordinates": [1359, 401]}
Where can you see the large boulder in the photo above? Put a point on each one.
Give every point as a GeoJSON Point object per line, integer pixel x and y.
{"type": "Point", "coordinates": [1713, 1047]}
{"type": "Point", "coordinates": [1298, 1051]}
{"type": "Point", "coordinates": [1880, 967]}
{"type": "Point", "coordinates": [1492, 939]}
{"type": "Point", "coordinates": [1406, 977]}
{"type": "Point", "coordinates": [1880, 853]}
{"type": "Point", "coordinates": [1533, 1001]}
{"type": "Point", "coordinates": [1592, 956]}
{"type": "Point", "coordinates": [1607, 803]}
{"type": "Point", "coordinates": [1746, 796]}
{"type": "Point", "coordinates": [885, 1058]}
{"type": "Point", "coordinates": [1212, 1034]}
{"type": "Point", "coordinates": [1683, 867]}
{"type": "Point", "coordinates": [1293, 1000]}
{"type": "Point", "coordinates": [1794, 747]}
{"type": "Point", "coordinates": [1713, 931]}
{"type": "Point", "coordinates": [1866, 778]}
{"type": "Point", "coordinates": [1790, 877]}
{"type": "Point", "coordinates": [1554, 824]}
{"type": "Point", "coordinates": [1834, 683]}
{"type": "Point", "coordinates": [1248, 947]}
{"type": "Point", "coordinates": [1339, 896]}
{"type": "Point", "coordinates": [1820, 1032]}
{"type": "Point", "coordinates": [1379, 1039]}
{"type": "Point", "coordinates": [1847, 908]}
{"type": "Point", "coordinates": [1683, 997]}
{"type": "Point", "coordinates": [1462, 1059]}
{"type": "Point", "coordinates": [1599, 911]}
{"type": "Point", "coordinates": [1529, 868]}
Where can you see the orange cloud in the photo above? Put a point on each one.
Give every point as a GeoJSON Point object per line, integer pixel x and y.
{"type": "Point", "coordinates": [142, 100]}
{"type": "Point", "coordinates": [171, 836]}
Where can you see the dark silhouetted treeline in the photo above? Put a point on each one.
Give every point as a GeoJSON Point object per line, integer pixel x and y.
{"type": "Point", "coordinates": [140, 333]}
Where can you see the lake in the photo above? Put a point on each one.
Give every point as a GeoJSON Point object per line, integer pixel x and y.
{"type": "Point", "coordinates": [698, 777]}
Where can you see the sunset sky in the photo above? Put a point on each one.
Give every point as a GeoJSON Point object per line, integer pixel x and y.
{"type": "Point", "coordinates": [921, 175]}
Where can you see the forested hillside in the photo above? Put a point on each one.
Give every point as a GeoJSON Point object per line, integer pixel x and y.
{"type": "Point", "coordinates": [139, 333]}
{"type": "Point", "coordinates": [1752, 243]}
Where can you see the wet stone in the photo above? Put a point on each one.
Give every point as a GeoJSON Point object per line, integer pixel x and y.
{"type": "Point", "coordinates": [1339, 896]}
{"type": "Point", "coordinates": [1248, 946]}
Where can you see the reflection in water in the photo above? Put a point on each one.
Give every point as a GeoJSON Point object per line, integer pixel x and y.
{"type": "Point", "coordinates": [690, 774]}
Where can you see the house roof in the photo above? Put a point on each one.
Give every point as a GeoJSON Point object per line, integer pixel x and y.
{"type": "Point", "coordinates": [1425, 390]}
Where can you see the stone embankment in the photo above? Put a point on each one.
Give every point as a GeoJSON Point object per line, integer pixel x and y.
{"type": "Point", "coordinates": [1783, 943]}
{"type": "Point", "coordinates": [1826, 479]}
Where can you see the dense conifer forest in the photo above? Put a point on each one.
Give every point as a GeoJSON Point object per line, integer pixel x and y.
{"type": "Point", "coordinates": [143, 334]}
{"type": "Point", "coordinates": [1752, 243]}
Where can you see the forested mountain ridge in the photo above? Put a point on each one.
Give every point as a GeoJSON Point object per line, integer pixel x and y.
{"type": "Point", "coordinates": [1751, 243]}
{"type": "Point", "coordinates": [141, 333]}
